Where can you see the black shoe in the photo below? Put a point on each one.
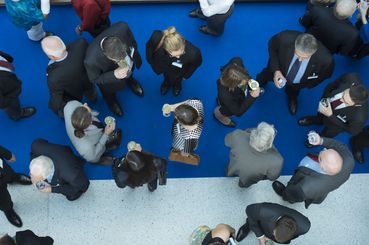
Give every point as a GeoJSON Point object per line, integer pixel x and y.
{"type": "Point", "coordinates": [292, 105]}
{"type": "Point", "coordinates": [106, 160]}
{"type": "Point", "coordinates": [23, 179]}
{"type": "Point", "coordinates": [116, 109]}
{"type": "Point", "coordinates": [243, 232]}
{"type": "Point", "coordinates": [151, 188]}
{"type": "Point", "coordinates": [278, 187]}
{"type": "Point", "coordinates": [13, 218]}
{"type": "Point", "coordinates": [305, 121]}
{"type": "Point", "coordinates": [177, 87]}
{"type": "Point", "coordinates": [164, 88]}
{"type": "Point", "coordinates": [358, 155]}
{"type": "Point", "coordinates": [194, 13]}
{"type": "Point", "coordinates": [231, 124]}
{"type": "Point", "coordinates": [208, 31]}
{"type": "Point", "coordinates": [28, 111]}
{"type": "Point", "coordinates": [308, 145]}
{"type": "Point", "coordinates": [136, 87]}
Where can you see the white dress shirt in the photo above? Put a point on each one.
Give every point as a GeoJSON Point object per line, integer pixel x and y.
{"type": "Point", "coordinates": [45, 6]}
{"type": "Point", "coordinates": [212, 7]}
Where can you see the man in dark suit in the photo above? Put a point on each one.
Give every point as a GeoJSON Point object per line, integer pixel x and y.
{"type": "Point", "coordinates": [110, 61]}
{"type": "Point", "coordinates": [271, 221]}
{"type": "Point", "coordinates": [26, 237]}
{"type": "Point", "coordinates": [7, 176]}
{"type": "Point", "coordinates": [299, 60]}
{"type": "Point", "coordinates": [66, 74]}
{"type": "Point", "coordinates": [358, 143]}
{"type": "Point", "coordinates": [343, 108]}
{"type": "Point", "coordinates": [318, 174]}
{"type": "Point", "coordinates": [332, 26]}
{"type": "Point", "coordinates": [54, 168]}
{"type": "Point", "coordinates": [10, 89]}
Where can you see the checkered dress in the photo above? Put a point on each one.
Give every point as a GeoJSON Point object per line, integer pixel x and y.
{"type": "Point", "coordinates": [187, 140]}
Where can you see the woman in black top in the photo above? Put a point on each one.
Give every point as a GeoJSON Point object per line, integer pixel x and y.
{"type": "Point", "coordinates": [234, 94]}
{"type": "Point", "coordinates": [170, 54]}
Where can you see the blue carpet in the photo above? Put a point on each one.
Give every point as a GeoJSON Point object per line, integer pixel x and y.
{"type": "Point", "coordinates": [246, 35]}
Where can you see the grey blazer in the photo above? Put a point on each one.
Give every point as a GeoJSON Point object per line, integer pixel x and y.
{"type": "Point", "coordinates": [92, 145]}
{"type": "Point", "coordinates": [247, 163]}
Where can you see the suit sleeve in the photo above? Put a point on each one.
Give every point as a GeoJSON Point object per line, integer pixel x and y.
{"type": "Point", "coordinates": [195, 63]}
{"type": "Point", "coordinates": [253, 217]}
{"type": "Point", "coordinates": [293, 191]}
{"type": "Point", "coordinates": [8, 57]}
{"type": "Point", "coordinates": [306, 20]}
{"type": "Point", "coordinates": [96, 75]}
{"type": "Point", "coordinates": [56, 101]}
{"type": "Point", "coordinates": [5, 153]}
{"type": "Point", "coordinates": [137, 57]}
{"type": "Point", "coordinates": [353, 126]}
{"type": "Point", "coordinates": [230, 138]}
{"type": "Point", "coordinates": [274, 173]}
{"type": "Point", "coordinates": [75, 184]}
{"type": "Point", "coordinates": [157, 65]}
{"type": "Point", "coordinates": [273, 48]}
{"type": "Point", "coordinates": [332, 86]}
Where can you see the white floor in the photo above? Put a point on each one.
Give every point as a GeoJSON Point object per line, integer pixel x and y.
{"type": "Point", "coordinates": [109, 215]}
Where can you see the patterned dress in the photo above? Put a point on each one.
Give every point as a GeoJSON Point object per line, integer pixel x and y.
{"type": "Point", "coordinates": [187, 140]}
{"type": "Point", "coordinates": [25, 13]}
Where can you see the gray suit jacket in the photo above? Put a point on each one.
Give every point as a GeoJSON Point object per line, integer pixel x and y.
{"type": "Point", "coordinates": [92, 145]}
{"type": "Point", "coordinates": [247, 163]}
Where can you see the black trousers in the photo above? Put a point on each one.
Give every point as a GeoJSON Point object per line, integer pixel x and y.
{"type": "Point", "coordinates": [14, 109]}
{"type": "Point", "coordinates": [360, 141]}
{"type": "Point", "coordinates": [217, 22]}
{"type": "Point", "coordinates": [172, 78]}
{"type": "Point", "coordinates": [7, 175]}
{"type": "Point", "coordinates": [110, 95]}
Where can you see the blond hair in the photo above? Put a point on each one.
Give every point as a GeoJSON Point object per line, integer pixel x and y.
{"type": "Point", "coordinates": [172, 40]}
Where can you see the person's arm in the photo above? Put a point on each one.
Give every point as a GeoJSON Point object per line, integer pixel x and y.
{"type": "Point", "coordinates": [151, 45]}
{"type": "Point", "coordinates": [56, 101]}
{"type": "Point", "coordinates": [6, 56]}
{"type": "Point", "coordinates": [223, 231]}
{"type": "Point", "coordinates": [136, 56]}
{"type": "Point", "coordinates": [253, 217]}
{"type": "Point", "coordinates": [326, 72]}
{"type": "Point", "coordinates": [195, 63]}
{"type": "Point", "coordinates": [73, 184]}
{"type": "Point", "coordinates": [307, 19]}
{"type": "Point", "coordinates": [161, 166]}
{"type": "Point", "coordinates": [273, 49]}
{"type": "Point", "coordinates": [274, 173]}
{"type": "Point", "coordinates": [91, 14]}
{"type": "Point", "coordinates": [338, 146]}
{"type": "Point", "coordinates": [231, 137]}
{"type": "Point", "coordinates": [213, 9]}
{"type": "Point", "coordinates": [96, 75]}
{"type": "Point", "coordinates": [5, 153]}
{"type": "Point", "coordinates": [45, 8]}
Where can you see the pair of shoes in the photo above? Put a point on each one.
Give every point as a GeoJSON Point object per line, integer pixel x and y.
{"type": "Point", "coordinates": [23, 179]}
{"type": "Point", "coordinates": [208, 31]}
{"type": "Point", "coordinates": [292, 105]}
{"type": "Point", "coordinates": [278, 187]}
{"type": "Point", "coordinates": [116, 109]}
{"type": "Point", "coordinates": [358, 155]}
{"type": "Point", "coordinates": [136, 87]}
{"type": "Point", "coordinates": [106, 160]}
{"type": "Point", "coordinates": [308, 145]}
{"type": "Point", "coordinates": [243, 232]}
{"type": "Point", "coordinates": [177, 87]}
{"type": "Point", "coordinates": [28, 112]}
{"type": "Point", "coordinates": [164, 88]}
{"type": "Point", "coordinates": [231, 124]}
{"type": "Point", "coordinates": [13, 218]}
{"type": "Point", "coordinates": [306, 121]}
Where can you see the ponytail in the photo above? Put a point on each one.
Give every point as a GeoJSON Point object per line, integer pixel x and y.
{"type": "Point", "coordinates": [171, 40]}
{"type": "Point", "coordinates": [79, 133]}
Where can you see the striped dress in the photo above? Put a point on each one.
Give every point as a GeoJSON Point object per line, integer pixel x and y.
{"type": "Point", "coordinates": [187, 140]}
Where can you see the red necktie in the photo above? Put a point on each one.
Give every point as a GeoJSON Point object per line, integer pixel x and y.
{"type": "Point", "coordinates": [7, 65]}
{"type": "Point", "coordinates": [336, 103]}
{"type": "Point", "coordinates": [313, 157]}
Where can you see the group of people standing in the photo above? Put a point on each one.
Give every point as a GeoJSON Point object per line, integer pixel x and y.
{"type": "Point", "coordinates": [297, 60]}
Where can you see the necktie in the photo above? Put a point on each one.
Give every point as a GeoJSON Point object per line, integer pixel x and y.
{"type": "Point", "coordinates": [336, 103]}
{"type": "Point", "coordinates": [313, 156]}
{"type": "Point", "coordinates": [7, 65]}
{"type": "Point", "coordinates": [293, 71]}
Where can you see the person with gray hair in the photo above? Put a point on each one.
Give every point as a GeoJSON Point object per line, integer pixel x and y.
{"type": "Point", "coordinates": [332, 26]}
{"type": "Point", "coordinates": [253, 156]}
{"type": "Point", "coordinates": [298, 61]}
{"type": "Point", "coordinates": [55, 169]}
{"type": "Point", "coordinates": [66, 74]}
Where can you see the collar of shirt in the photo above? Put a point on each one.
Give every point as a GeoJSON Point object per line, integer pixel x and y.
{"type": "Point", "coordinates": [59, 60]}
{"type": "Point", "coordinates": [338, 97]}
{"type": "Point", "coordinates": [3, 68]}
{"type": "Point", "coordinates": [311, 164]}
{"type": "Point", "coordinates": [50, 177]}
{"type": "Point", "coordinates": [302, 68]}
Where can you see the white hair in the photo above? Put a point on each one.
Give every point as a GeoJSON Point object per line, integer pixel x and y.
{"type": "Point", "coordinates": [261, 138]}
{"type": "Point", "coordinates": [345, 8]}
{"type": "Point", "coordinates": [53, 45]}
{"type": "Point", "coordinates": [41, 166]}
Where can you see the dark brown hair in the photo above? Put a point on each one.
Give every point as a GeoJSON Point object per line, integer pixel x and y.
{"type": "Point", "coordinates": [358, 94]}
{"type": "Point", "coordinates": [187, 115]}
{"type": "Point", "coordinates": [7, 240]}
{"type": "Point", "coordinates": [81, 119]}
{"type": "Point", "coordinates": [233, 75]}
{"type": "Point", "coordinates": [113, 48]}
{"type": "Point", "coordinates": [285, 229]}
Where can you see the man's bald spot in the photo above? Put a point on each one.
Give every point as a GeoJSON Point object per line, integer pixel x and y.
{"type": "Point", "coordinates": [345, 8]}
{"type": "Point", "coordinates": [53, 46]}
{"type": "Point", "coordinates": [330, 161]}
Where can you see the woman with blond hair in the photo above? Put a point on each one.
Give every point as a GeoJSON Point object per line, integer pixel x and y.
{"type": "Point", "coordinates": [170, 54]}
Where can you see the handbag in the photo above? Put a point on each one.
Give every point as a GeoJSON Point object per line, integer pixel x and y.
{"type": "Point", "coordinates": [198, 235]}
{"type": "Point", "coordinates": [191, 159]}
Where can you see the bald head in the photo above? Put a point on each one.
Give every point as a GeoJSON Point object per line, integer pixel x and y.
{"type": "Point", "coordinates": [330, 161]}
{"type": "Point", "coordinates": [345, 8]}
{"type": "Point", "coordinates": [53, 47]}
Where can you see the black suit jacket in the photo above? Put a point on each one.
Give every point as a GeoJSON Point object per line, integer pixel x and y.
{"type": "Point", "coordinates": [351, 119]}
{"type": "Point", "coordinates": [69, 178]}
{"type": "Point", "coordinates": [10, 85]}
{"type": "Point", "coordinates": [67, 80]}
{"type": "Point", "coordinates": [339, 36]}
{"type": "Point", "coordinates": [281, 52]}
{"type": "Point", "coordinates": [309, 186]}
{"type": "Point", "coordinates": [100, 69]}
{"type": "Point", "coordinates": [6, 173]}
{"type": "Point", "coordinates": [27, 237]}
{"type": "Point", "coordinates": [262, 219]}
{"type": "Point", "coordinates": [161, 62]}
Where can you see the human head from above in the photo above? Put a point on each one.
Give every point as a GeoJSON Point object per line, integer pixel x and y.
{"type": "Point", "coordinates": [81, 118]}
{"type": "Point", "coordinates": [233, 76]}
{"type": "Point", "coordinates": [345, 8]}
{"type": "Point", "coordinates": [285, 229]}
{"type": "Point", "coordinates": [54, 47]}
{"type": "Point", "coordinates": [305, 46]}
{"type": "Point", "coordinates": [173, 42]}
{"type": "Point", "coordinates": [330, 161]}
{"type": "Point", "coordinates": [41, 168]}
{"type": "Point", "coordinates": [5, 239]}
{"type": "Point", "coordinates": [357, 94]}
{"type": "Point", "coordinates": [113, 48]}
{"type": "Point", "coordinates": [262, 137]}
{"type": "Point", "coordinates": [187, 115]}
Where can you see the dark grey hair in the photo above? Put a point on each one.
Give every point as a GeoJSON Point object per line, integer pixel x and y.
{"type": "Point", "coordinates": [306, 44]}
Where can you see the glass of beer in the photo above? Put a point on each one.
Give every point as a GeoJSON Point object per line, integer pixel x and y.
{"type": "Point", "coordinates": [166, 110]}
{"type": "Point", "coordinates": [131, 146]}
{"type": "Point", "coordinates": [253, 84]}
{"type": "Point", "coordinates": [109, 120]}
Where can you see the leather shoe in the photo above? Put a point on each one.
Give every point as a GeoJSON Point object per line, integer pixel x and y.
{"type": "Point", "coordinates": [151, 188]}
{"type": "Point", "coordinates": [208, 31]}
{"type": "Point", "coordinates": [358, 155]}
{"type": "Point", "coordinates": [23, 179]}
{"type": "Point", "coordinates": [136, 87]}
{"type": "Point", "coordinates": [194, 13]}
{"type": "Point", "coordinates": [164, 88]}
{"type": "Point", "coordinates": [28, 112]}
{"type": "Point", "coordinates": [13, 218]}
{"type": "Point", "coordinates": [116, 109]}
{"type": "Point", "coordinates": [243, 232]}
{"type": "Point", "coordinates": [292, 105]}
{"type": "Point", "coordinates": [305, 121]}
{"type": "Point", "coordinates": [278, 187]}
{"type": "Point", "coordinates": [177, 87]}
